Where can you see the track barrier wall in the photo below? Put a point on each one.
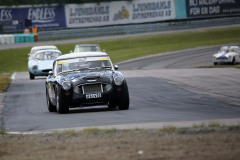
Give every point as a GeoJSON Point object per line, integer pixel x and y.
{"type": "Point", "coordinates": [18, 38]}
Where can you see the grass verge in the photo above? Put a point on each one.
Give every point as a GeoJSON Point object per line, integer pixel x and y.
{"type": "Point", "coordinates": [4, 82]}
{"type": "Point", "coordinates": [216, 125]}
{"type": "Point", "coordinates": [121, 49]}
{"type": "Point", "coordinates": [220, 66]}
{"type": "Point", "coordinates": [165, 129]}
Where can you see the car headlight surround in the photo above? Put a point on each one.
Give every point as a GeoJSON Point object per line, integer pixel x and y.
{"type": "Point", "coordinates": [66, 85]}
{"type": "Point", "coordinates": [35, 67]}
{"type": "Point", "coordinates": [118, 80]}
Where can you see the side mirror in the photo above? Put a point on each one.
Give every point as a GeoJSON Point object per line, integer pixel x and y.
{"type": "Point", "coordinates": [50, 73]}
{"type": "Point", "coordinates": [104, 50]}
{"type": "Point", "coordinates": [116, 67]}
{"type": "Point", "coordinates": [71, 51]}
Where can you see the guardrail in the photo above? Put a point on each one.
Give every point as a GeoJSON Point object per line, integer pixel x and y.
{"type": "Point", "coordinates": [135, 28]}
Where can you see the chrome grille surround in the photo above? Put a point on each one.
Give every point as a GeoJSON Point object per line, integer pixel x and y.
{"type": "Point", "coordinates": [90, 88]}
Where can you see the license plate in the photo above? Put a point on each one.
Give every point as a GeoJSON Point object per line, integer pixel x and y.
{"type": "Point", "coordinates": [92, 96]}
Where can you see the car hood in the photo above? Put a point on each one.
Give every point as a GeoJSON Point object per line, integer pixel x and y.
{"type": "Point", "coordinates": [87, 77]}
{"type": "Point", "coordinates": [223, 54]}
{"type": "Point", "coordinates": [46, 64]}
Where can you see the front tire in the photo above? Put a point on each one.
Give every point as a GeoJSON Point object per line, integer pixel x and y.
{"type": "Point", "coordinates": [233, 61]}
{"type": "Point", "coordinates": [215, 63]}
{"type": "Point", "coordinates": [112, 105]}
{"type": "Point", "coordinates": [123, 103]}
{"type": "Point", "coordinates": [31, 76]}
{"type": "Point", "coordinates": [61, 106]}
{"type": "Point", "coordinates": [51, 108]}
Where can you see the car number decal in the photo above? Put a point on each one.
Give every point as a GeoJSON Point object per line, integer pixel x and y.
{"type": "Point", "coordinates": [91, 96]}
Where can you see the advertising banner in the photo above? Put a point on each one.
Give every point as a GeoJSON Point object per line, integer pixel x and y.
{"type": "Point", "coordinates": [122, 12]}
{"type": "Point", "coordinates": [41, 16]}
{"type": "Point", "coordinates": [206, 8]}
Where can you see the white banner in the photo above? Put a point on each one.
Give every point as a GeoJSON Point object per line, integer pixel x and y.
{"type": "Point", "coordinates": [123, 12]}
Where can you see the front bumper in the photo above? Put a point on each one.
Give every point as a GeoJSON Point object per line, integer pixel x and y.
{"type": "Point", "coordinates": [222, 60]}
{"type": "Point", "coordinates": [39, 72]}
{"type": "Point", "coordinates": [73, 99]}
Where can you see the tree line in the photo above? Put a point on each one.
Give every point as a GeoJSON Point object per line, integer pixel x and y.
{"type": "Point", "coordinates": [59, 2]}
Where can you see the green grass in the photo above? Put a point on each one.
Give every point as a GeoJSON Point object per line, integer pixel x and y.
{"type": "Point", "coordinates": [217, 125]}
{"type": "Point", "coordinates": [121, 49]}
{"type": "Point", "coordinates": [88, 130]}
{"type": "Point", "coordinates": [3, 132]}
{"type": "Point", "coordinates": [168, 129]}
{"type": "Point", "coordinates": [4, 82]}
{"type": "Point", "coordinates": [165, 129]}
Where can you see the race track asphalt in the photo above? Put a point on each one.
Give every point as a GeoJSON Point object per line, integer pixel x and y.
{"type": "Point", "coordinates": [163, 88]}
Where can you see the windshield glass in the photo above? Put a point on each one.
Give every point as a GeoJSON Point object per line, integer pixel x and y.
{"type": "Point", "coordinates": [35, 50]}
{"type": "Point", "coordinates": [93, 63]}
{"type": "Point", "coordinates": [228, 49]}
{"type": "Point", "coordinates": [48, 55]}
{"type": "Point", "coordinates": [87, 49]}
{"type": "Point", "coordinates": [223, 49]}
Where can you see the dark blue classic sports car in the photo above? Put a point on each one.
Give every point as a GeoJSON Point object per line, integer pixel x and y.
{"type": "Point", "coordinates": [85, 79]}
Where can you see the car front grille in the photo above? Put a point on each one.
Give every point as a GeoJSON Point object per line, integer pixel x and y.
{"type": "Point", "coordinates": [223, 57]}
{"type": "Point", "coordinates": [46, 70]}
{"type": "Point", "coordinates": [92, 88]}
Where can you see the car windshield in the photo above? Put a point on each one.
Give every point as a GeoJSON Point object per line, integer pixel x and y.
{"type": "Point", "coordinates": [80, 64]}
{"type": "Point", "coordinates": [48, 55]}
{"type": "Point", "coordinates": [233, 49]}
{"type": "Point", "coordinates": [223, 49]}
{"type": "Point", "coordinates": [228, 49]}
{"type": "Point", "coordinates": [35, 50]}
{"type": "Point", "coordinates": [87, 48]}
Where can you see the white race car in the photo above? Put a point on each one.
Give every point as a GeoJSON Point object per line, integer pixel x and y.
{"type": "Point", "coordinates": [37, 48]}
{"type": "Point", "coordinates": [87, 48]}
{"type": "Point", "coordinates": [227, 54]}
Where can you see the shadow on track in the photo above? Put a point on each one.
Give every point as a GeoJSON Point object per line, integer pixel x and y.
{"type": "Point", "coordinates": [90, 110]}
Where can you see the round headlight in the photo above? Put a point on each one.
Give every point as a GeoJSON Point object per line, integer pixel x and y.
{"type": "Point", "coordinates": [34, 67]}
{"type": "Point", "coordinates": [118, 80]}
{"type": "Point", "coordinates": [66, 85]}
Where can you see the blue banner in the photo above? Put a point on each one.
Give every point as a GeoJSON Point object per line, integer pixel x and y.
{"type": "Point", "coordinates": [208, 8]}
{"type": "Point", "coordinates": [44, 17]}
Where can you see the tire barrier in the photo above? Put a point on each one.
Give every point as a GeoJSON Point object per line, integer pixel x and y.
{"type": "Point", "coordinates": [18, 38]}
{"type": "Point", "coordinates": [24, 38]}
{"type": "Point", "coordinates": [7, 39]}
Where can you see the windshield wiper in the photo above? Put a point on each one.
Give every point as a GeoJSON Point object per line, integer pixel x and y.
{"type": "Point", "coordinates": [83, 68]}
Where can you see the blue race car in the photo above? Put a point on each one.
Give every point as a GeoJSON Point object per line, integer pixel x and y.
{"type": "Point", "coordinates": [41, 62]}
